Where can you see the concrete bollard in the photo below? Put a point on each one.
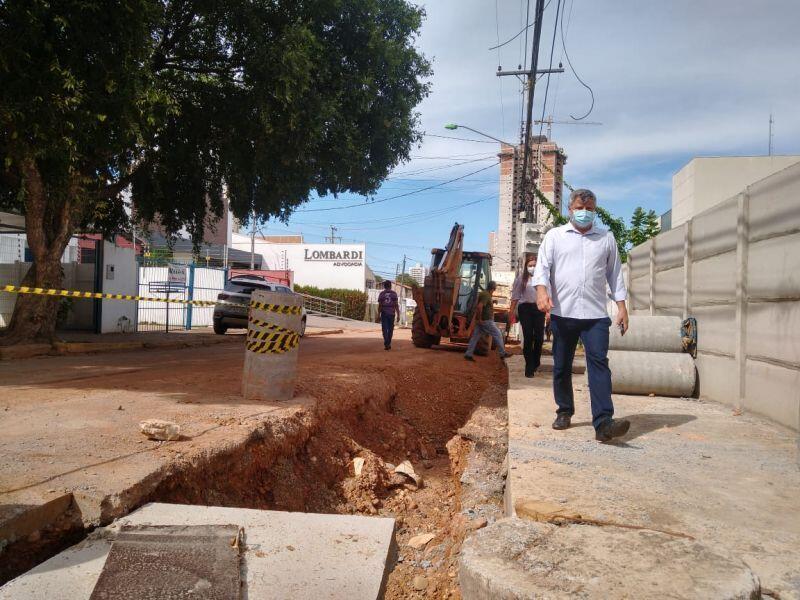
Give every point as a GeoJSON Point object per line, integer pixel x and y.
{"type": "Point", "coordinates": [659, 373]}
{"type": "Point", "coordinates": [272, 346]}
{"type": "Point", "coordinates": [649, 334]}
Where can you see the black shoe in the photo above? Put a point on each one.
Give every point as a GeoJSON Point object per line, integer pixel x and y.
{"type": "Point", "coordinates": [529, 373]}
{"type": "Point", "coordinates": [611, 429]}
{"type": "Point", "coordinates": [387, 347]}
{"type": "Point", "coordinates": [562, 421]}
{"type": "Point", "coordinates": [469, 358]}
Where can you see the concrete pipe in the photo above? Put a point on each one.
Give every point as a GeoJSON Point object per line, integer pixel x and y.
{"type": "Point", "coordinates": [659, 373]}
{"type": "Point", "coordinates": [649, 334]}
{"type": "Point", "coordinates": [272, 346]}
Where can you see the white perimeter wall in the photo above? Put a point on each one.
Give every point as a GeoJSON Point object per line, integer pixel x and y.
{"type": "Point", "coordinates": [736, 269]}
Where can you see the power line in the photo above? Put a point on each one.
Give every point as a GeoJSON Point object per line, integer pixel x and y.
{"type": "Point", "coordinates": [399, 217]}
{"type": "Point", "coordinates": [430, 187]}
{"type": "Point", "coordinates": [497, 29]}
{"type": "Point", "coordinates": [450, 137]}
{"type": "Point", "coordinates": [439, 168]}
{"type": "Point", "coordinates": [452, 156]}
{"type": "Point", "coordinates": [569, 62]}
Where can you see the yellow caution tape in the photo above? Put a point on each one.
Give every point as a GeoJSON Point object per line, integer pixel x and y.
{"type": "Point", "coordinates": [278, 308]}
{"type": "Point", "coordinates": [283, 344]}
{"type": "Point", "coordinates": [267, 325]}
{"type": "Point", "coordinates": [14, 289]}
{"type": "Point", "coordinates": [269, 338]}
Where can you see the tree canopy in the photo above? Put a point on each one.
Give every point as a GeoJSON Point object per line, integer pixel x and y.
{"type": "Point", "coordinates": [178, 101]}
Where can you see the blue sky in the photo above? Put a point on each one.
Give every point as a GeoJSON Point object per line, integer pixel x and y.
{"type": "Point", "coordinates": [672, 80]}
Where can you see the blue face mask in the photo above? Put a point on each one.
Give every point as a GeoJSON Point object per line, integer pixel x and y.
{"type": "Point", "coordinates": [583, 218]}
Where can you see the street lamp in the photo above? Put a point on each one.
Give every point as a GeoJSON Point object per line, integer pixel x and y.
{"type": "Point", "coordinates": [454, 126]}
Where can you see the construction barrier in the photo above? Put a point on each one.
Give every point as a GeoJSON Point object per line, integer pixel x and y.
{"type": "Point", "coordinates": [273, 336]}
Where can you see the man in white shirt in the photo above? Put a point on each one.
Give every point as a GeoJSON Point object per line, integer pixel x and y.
{"type": "Point", "coordinates": [576, 262]}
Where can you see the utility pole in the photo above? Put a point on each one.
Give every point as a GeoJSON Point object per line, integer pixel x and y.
{"type": "Point", "coordinates": [537, 37]}
{"type": "Point", "coordinates": [333, 235]}
{"type": "Point", "coordinates": [771, 123]}
{"type": "Point", "coordinates": [404, 265]}
{"type": "Point", "coordinates": [253, 241]}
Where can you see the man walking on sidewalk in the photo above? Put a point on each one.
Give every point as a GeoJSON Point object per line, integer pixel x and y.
{"type": "Point", "coordinates": [388, 307]}
{"type": "Point", "coordinates": [576, 261]}
{"type": "Point", "coordinates": [485, 323]}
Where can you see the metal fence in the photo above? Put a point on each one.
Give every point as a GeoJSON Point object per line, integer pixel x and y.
{"type": "Point", "coordinates": [324, 306]}
{"type": "Point", "coordinates": [198, 283]}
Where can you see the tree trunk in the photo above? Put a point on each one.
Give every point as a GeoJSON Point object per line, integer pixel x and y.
{"type": "Point", "coordinates": [34, 317]}
{"type": "Point", "coordinates": [48, 227]}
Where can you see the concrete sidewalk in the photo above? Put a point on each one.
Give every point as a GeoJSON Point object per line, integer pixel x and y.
{"type": "Point", "coordinates": [78, 342]}
{"type": "Point", "coordinates": [690, 479]}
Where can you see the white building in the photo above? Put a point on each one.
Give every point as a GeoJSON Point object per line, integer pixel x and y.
{"type": "Point", "coordinates": [705, 182]}
{"type": "Point", "coordinates": [320, 265]}
{"type": "Point", "coordinates": [418, 273]}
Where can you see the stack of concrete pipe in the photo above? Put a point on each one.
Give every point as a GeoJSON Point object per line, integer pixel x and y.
{"type": "Point", "coordinates": [650, 359]}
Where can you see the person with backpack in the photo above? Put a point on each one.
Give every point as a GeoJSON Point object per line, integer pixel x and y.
{"type": "Point", "coordinates": [389, 309]}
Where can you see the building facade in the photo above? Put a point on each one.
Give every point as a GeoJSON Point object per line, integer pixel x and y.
{"type": "Point", "coordinates": [547, 162]}
{"type": "Point", "coordinates": [706, 181]}
{"type": "Point", "coordinates": [418, 272]}
{"type": "Point", "coordinates": [320, 265]}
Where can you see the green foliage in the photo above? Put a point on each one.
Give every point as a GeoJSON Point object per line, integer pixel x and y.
{"type": "Point", "coordinates": [616, 226]}
{"type": "Point", "coordinates": [275, 100]}
{"type": "Point", "coordinates": [644, 226]}
{"type": "Point", "coordinates": [378, 278]}
{"type": "Point", "coordinates": [355, 302]}
{"type": "Point", "coordinates": [406, 279]}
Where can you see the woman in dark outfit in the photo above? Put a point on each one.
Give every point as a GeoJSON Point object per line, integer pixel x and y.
{"type": "Point", "coordinates": [523, 300]}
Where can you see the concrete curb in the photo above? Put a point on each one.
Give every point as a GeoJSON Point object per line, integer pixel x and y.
{"type": "Point", "coordinates": [22, 351]}
{"type": "Point", "coordinates": [323, 332]}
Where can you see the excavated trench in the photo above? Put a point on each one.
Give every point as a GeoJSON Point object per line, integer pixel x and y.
{"type": "Point", "coordinates": [302, 459]}
{"type": "Point", "coordinates": [308, 465]}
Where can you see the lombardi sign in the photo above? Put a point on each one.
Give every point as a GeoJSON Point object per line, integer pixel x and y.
{"type": "Point", "coordinates": [339, 258]}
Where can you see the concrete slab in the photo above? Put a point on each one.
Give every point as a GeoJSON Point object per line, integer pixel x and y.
{"type": "Point", "coordinates": [284, 555]}
{"type": "Point", "coordinates": [514, 558]}
{"type": "Point", "coordinates": [731, 482]}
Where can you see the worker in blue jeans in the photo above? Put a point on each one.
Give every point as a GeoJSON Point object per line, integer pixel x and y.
{"type": "Point", "coordinates": [485, 323]}
{"type": "Point", "coordinates": [389, 309]}
{"type": "Point", "coordinates": [577, 263]}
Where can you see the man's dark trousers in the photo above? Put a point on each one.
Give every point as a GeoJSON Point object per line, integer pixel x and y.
{"type": "Point", "coordinates": [387, 325]}
{"type": "Point", "coordinates": [594, 334]}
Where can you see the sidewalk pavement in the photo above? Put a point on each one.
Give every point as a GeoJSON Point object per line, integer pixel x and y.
{"type": "Point", "coordinates": [694, 501]}
{"type": "Point", "coordinates": [81, 342]}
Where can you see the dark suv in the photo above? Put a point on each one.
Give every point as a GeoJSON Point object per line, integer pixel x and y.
{"type": "Point", "coordinates": [237, 293]}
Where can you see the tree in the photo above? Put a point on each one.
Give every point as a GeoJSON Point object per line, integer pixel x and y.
{"type": "Point", "coordinates": [653, 226]}
{"type": "Point", "coordinates": [378, 279]}
{"type": "Point", "coordinates": [644, 226]}
{"type": "Point", "coordinates": [178, 101]}
{"type": "Point", "coordinates": [406, 279]}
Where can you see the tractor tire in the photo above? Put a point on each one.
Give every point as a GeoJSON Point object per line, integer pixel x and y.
{"type": "Point", "coordinates": [420, 337]}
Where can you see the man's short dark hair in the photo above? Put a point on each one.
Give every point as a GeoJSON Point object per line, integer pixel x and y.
{"type": "Point", "coordinates": [491, 285]}
{"type": "Point", "coordinates": [387, 285]}
{"type": "Point", "coordinates": [582, 194]}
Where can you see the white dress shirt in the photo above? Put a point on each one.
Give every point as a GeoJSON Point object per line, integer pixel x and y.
{"type": "Point", "coordinates": [523, 293]}
{"type": "Point", "coordinates": [576, 267]}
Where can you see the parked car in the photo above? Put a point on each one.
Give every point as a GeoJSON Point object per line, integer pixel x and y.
{"type": "Point", "coordinates": [236, 294]}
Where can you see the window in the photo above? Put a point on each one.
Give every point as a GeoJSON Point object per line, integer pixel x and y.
{"type": "Point", "coordinates": [244, 286]}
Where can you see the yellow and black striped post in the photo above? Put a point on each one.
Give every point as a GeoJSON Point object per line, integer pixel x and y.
{"type": "Point", "coordinates": [273, 338]}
